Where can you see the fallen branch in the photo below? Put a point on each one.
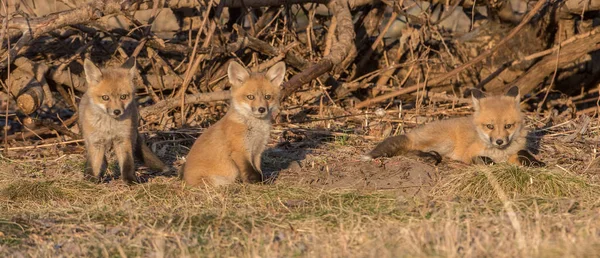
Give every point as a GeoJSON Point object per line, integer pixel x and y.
{"type": "Point", "coordinates": [35, 27]}
{"type": "Point", "coordinates": [265, 48]}
{"type": "Point", "coordinates": [153, 112]}
{"type": "Point", "coordinates": [539, 5]}
{"type": "Point", "coordinates": [43, 130]}
{"type": "Point", "coordinates": [568, 54]}
{"type": "Point", "coordinates": [339, 51]}
{"type": "Point", "coordinates": [265, 3]}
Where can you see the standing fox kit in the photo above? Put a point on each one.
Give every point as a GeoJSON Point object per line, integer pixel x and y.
{"type": "Point", "coordinates": [109, 118]}
{"type": "Point", "coordinates": [232, 147]}
{"type": "Point", "coordinates": [494, 133]}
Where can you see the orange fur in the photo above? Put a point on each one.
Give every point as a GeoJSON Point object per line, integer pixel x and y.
{"type": "Point", "coordinates": [109, 118]}
{"type": "Point", "coordinates": [495, 130]}
{"type": "Point", "coordinates": [231, 149]}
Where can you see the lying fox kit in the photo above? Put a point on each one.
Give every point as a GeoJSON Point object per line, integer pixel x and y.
{"type": "Point", "coordinates": [232, 148]}
{"type": "Point", "coordinates": [108, 117]}
{"type": "Point", "coordinates": [494, 133]}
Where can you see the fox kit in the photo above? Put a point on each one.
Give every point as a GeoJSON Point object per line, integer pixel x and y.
{"type": "Point", "coordinates": [232, 147]}
{"type": "Point", "coordinates": [109, 118]}
{"type": "Point", "coordinates": [494, 133]}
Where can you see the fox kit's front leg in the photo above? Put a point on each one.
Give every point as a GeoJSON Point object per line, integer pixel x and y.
{"type": "Point", "coordinates": [256, 167]}
{"type": "Point", "coordinates": [96, 161]}
{"type": "Point", "coordinates": [124, 151]}
{"type": "Point", "coordinates": [248, 173]}
{"type": "Point", "coordinates": [523, 157]}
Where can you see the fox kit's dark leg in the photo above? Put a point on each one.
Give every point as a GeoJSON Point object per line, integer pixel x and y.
{"type": "Point", "coordinates": [124, 152]}
{"type": "Point", "coordinates": [96, 162]}
{"type": "Point", "coordinates": [523, 157]}
{"type": "Point", "coordinates": [144, 153]}
{"type": "Point", "coordinates": [247, 172]}
{"type": "Point", "coordinates": [392, 146]}
{"type": "Point", "coordinates": [430, 157]}
{"type": "Point", "coordinates": [483, 160]}
{"type": "Point", "coordinates": [180, 172]}
{"type": "Point", "coordinates": [257, 168]}
{"type": "Point", "coordinates": [400, 145]}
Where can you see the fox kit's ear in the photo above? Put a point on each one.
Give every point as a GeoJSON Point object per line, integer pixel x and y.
{"type": "Point", "coordinates": [93, 75]}
{"type": "Point", "coordinates": [276, 73]}
{"type": "Point", "coordinates": [514, 92]}
{"type": "Point", "coordinates": [237, 74]}
{"type": "Point", "coordinates": [476, 94]}
{"type": "Point", "coordinates": [130, 65]}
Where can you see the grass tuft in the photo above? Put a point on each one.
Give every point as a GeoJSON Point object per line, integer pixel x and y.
{"type": "Point", "coordinates": [33, 191]}
{"type": "Point", "coordinates": [517, 182]}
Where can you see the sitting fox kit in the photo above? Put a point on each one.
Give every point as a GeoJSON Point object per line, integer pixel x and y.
{"type": "Point", "coordinates": [109, 118]}
{"type": "Point", "coordinates": [494, 133]}
{"type": "Point", "coordinates": [231, 149]}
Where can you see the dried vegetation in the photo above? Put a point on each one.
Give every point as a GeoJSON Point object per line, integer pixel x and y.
{"type": "Point", "coordinates": [359, 70]}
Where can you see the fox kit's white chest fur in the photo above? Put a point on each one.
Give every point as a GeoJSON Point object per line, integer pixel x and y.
{"type": "Point", "coordinates": [99, 127]}
{"type": "Point", "coordinates": [256, 139]}
{"type": "Point", "coordinates": [517, 143]}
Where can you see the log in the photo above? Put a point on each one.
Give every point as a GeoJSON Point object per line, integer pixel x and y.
{"type": "Point", "coordinates": [27, 89]}
{"type": "Point", "coordinates": [568, 54]}
{"type": "Point", "coordinates": [35, 27]}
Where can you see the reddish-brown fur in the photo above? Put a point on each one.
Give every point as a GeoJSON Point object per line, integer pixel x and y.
{"type": "Point", "coordinates": [231, 149]}
{"type": "Point", "coordinates": [495, 131]}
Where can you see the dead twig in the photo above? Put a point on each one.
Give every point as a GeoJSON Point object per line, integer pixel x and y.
{"type": "Point", "coordinates": [539, 5]}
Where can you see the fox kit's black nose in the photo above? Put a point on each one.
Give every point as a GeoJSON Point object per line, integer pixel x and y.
{"type": "Point", "coordinates": [499, 142]}
{"type": "Point", "coordinates": [262, 109]}
{"type": "Point", "coordinates": [117, 112]}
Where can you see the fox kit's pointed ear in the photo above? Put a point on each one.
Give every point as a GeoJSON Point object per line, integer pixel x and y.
{"type": "Point", "coordinates": [237, 74]}
{"type": "Point", "coordinates": [276, 73]}
{"type": "Point", "coordinates": [513, 92]}
{"type": "Point", "coordinates": [93, 75]}
{"type": "Point", "coordinates": [476, 94]}
{"type": "Point", "coordinates": [130, 65]}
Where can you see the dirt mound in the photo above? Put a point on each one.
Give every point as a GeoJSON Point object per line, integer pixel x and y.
{"type": "Point", "coordinates": [402, 175]}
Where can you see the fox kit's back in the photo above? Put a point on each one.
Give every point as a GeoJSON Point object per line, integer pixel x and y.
{"type": "Point", "coordinates": [232, 148]}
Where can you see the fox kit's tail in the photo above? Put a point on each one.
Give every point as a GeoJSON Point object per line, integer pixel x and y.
{"type": "Point", "coordinates": [150, 159]}
{"type": "Point", "coordinates": [392, 146]}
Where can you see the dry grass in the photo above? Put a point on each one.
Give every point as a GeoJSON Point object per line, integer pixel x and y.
{"type": "Point", "coordinates": [473, 183]}
{"type": "Point", "coordinates": [50, 211]}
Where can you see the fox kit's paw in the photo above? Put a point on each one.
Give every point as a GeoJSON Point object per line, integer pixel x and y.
{"type": "Point", "coordinates": [482, 160]}
{"type": "Point", "coordinates": [429, 157]}
{"type": "Point", "coordinates": [526, 159]}
{"type": "Point", "coordinates": [91, 178]}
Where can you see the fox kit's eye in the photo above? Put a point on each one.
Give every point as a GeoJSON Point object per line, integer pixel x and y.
{"type": "Point", "coordinates": [250, 97]}
{"type": "Point", "coordinates": [508, 126]}
{"type": "Point", "coordinates": [124, 96]}
{"type": "Point", "coordinates": [105, 97]}
{"type": "Point", "coordinates": [267, 97]}
{"type": "Point", "coordinates": [490, 126]}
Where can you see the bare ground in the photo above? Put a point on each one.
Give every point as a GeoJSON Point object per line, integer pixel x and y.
{"type": "Point", "coordinates": [322, 202]}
